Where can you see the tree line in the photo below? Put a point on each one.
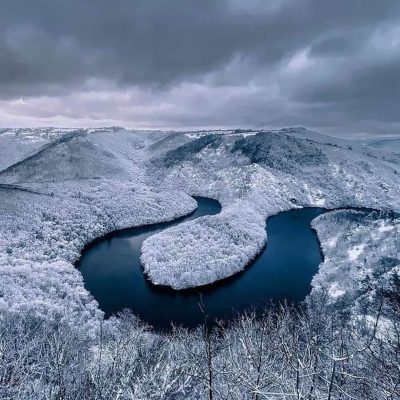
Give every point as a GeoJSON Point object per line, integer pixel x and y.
{"type": "Point", "coordinates": [306, 353]}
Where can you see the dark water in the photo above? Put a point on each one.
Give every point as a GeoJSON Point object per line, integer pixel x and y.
{"type": "Point", "coordinates": [283, 271]}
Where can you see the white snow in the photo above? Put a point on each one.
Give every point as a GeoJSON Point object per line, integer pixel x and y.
{"type": "Point", "coordinates": [384, 227]}
{"type": "Point", "coordinates": [355, 252]}
{"type": "Point", "coordinates": [334, 290]}
{"type": "Point", "coordinates": [331, 242]}
{"type": "Point", "coordinates": [79, 186]}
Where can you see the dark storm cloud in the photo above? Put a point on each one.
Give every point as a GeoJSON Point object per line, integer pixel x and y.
{"type": "Point", "coordinates": [340, 58]}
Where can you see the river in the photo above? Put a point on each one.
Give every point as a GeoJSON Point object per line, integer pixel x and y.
{"type": "Point", "coordinates": [283, 271]}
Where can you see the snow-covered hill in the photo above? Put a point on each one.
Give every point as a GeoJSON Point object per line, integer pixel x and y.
{"type": "Point", "coordinates": [254, 176]}
{"type": "Point", "coordinates": [17, 144]}
{"type": "Point", "coordinates": [76, 186]}
{"type": "Point", "coordinates": [388, 144]}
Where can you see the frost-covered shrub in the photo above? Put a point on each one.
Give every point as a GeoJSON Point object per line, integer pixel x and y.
{"type": "Point", "coordinates": [287, 353]}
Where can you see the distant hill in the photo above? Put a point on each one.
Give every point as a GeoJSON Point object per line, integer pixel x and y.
{"type": "Point", "coordinates": [389, 144]}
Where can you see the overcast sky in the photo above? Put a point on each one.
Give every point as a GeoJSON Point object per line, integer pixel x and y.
{"type": "Point", "coordinates": [333, 66]}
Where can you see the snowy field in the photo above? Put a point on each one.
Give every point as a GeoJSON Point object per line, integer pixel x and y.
{"type": "Point", "coordinates": [60, 189]}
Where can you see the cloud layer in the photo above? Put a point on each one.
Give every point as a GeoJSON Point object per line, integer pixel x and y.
{"type": "Point", "coordinates": [186, 63]}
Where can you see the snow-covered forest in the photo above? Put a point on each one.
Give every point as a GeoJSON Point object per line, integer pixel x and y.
{"type": "Point", "coordinates": [61, 189]}
{"type": "Point", "coordinates": [313, 354]}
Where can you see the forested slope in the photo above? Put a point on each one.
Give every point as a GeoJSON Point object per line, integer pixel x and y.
{"type": "Point", "coordinates": [256, 175]}
{"type": "Point", "coordinates": [77, 186]}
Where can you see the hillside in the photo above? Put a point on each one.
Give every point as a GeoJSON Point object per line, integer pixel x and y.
{"type": "Point", "coordinates": [81, 185]}
{"type": "Point", "coordinates": [387, 144]}
{"type": "Point", "coordinates": [17, 144]}
{"type": "Point", "coordinates": [254, 176]}
{"type": "Point", "coordinates": [84, 184]}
